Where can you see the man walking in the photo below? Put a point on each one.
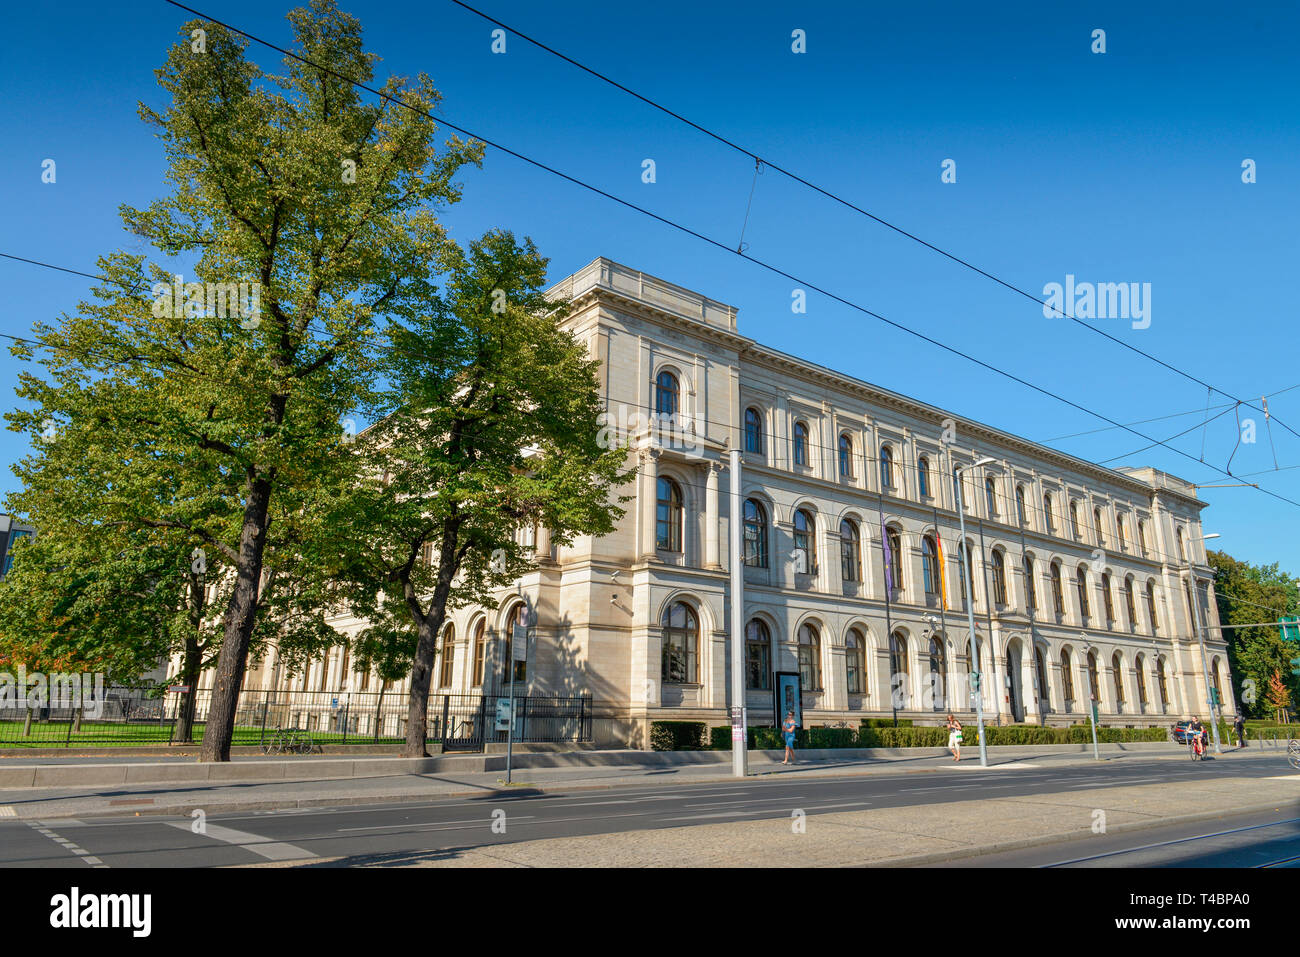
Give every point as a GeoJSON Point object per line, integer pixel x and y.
{"type": "Point", "coordinates": [787, 731]}
{"type": "Point", "coordinates": [1239, 726]}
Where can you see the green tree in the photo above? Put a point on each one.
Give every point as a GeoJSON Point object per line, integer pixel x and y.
{"type": "Point", "coordinates": [490, 425]}
{"type": "Point", "coordinates": [325, 206]}
{"type": "Point", "coordinates": [1247, 594]}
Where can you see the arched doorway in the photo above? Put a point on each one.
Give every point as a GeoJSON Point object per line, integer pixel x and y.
{"type": "Point", "coordinates": [1015, 692]}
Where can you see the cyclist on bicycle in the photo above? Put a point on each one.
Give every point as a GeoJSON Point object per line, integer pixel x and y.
{"type": "Point", "coordinates": [1197, 730]}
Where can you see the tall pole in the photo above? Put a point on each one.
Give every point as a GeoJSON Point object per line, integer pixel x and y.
{"type": "Point", "coordinates": [970, 617]}
{"type": "Point", "coordinates": [1195, 608]}
{"type": "Point", "coordinates": [988, 609]}
{"type": "Point", "coordinates": [739, 744]}
{"type": "Point", "coordinates": [1040, 694]}
{"type": "Point", "coordinates": [889, 618]}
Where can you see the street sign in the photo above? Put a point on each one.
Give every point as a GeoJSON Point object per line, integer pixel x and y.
{"type": "Point", "coordinates": [519, 643]}
{"type": "Point", "coordinates": [503, 714]}
{"type": "Point", "coordinates": [178, 689]}
{"type": "Point", "coordinates": [1290, 625]}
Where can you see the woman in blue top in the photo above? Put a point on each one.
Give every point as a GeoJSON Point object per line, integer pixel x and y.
{"type": "Point", "coordinates": [787, 730]}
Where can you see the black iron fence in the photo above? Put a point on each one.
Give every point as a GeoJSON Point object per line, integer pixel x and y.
{"type": "Point", "coordinates": [142, 716]}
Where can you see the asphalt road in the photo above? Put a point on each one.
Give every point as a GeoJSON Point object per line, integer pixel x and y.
{"type": "Point", "coordinates": [394, 833]}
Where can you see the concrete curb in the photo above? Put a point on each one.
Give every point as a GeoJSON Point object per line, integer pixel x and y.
{"type": "Point", "coordinates": [338, 769]}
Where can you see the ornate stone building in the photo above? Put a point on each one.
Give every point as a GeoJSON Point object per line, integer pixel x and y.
{"type": "Point", "coordinates": [1084, 578]}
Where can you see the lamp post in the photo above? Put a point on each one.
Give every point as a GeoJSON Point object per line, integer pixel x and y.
{"type": "Point", "coordinates": [970, 603]}
{"type": "Point", "coordinates": [1194, 595]}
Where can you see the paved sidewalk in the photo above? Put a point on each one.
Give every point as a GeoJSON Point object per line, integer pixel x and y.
{"type": "Point", "coordinates": [227, 796]}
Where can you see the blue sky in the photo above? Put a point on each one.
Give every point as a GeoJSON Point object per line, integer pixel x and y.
{"type": "Point", "coordinates": [1115, 167]}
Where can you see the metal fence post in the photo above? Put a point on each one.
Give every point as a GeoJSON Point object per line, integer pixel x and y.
{"type": "Point", "coordinates": [442, 738]}
{"type": "Point", "coordinates": [266, 706]}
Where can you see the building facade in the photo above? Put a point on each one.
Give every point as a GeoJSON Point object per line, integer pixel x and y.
{"type": "Point", "coordinates": [1086, 582]}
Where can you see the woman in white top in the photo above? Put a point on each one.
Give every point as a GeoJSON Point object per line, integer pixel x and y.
{"type": "Point", "coordinates": [954, 737]}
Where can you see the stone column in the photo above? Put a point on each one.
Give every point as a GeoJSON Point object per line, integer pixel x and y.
{"type": "Point", "coordinates": [711, 516]}
{"type": "Point", "coordinates": [543, 543]}
{"type": "Point", "coordinates": [649, 460]}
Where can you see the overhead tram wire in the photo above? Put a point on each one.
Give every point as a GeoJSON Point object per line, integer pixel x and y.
{"type": "Point", "coordinates": [850, 205]}
{"type": "Point", "coordinates": [309, 327]}
{"type": "Point", "coordinates": [698, 235]}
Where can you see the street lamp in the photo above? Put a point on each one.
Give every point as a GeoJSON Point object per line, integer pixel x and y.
{"type": "Point", "coordinates": [970, 602]}
{"type": "Point", "coordinates": [1194, 594]}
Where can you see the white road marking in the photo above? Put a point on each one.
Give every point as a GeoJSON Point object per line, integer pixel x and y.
{"type": "Point", "coordinates": [486, 821]}
{"type": "Point", "coordinates": [262, 846]}
{"type": "Point", "coordinates": [6, 810]}
{"type": "Point", "coordinates": [66, 844]}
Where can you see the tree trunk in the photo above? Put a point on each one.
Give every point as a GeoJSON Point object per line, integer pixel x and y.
{"type": "Point", "coordinates": [190, 679]}
{"type": "Point", "coordinates": [241, 613]}
{"type": "Point", "coordinates": [417, 705]}
{"type": "Point", "coordinates": [27, 723]}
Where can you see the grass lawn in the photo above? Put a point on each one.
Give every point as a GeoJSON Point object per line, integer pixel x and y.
{"type": "Point", "coordinates": [55, 734]}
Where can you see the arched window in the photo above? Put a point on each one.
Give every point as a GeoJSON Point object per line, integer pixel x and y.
{"type": "Point", "coordinates": [1031, 590]}
{"type": "Point", "coordinates": [1044, 694]}
{"type": "Point", "coordinates": [810, 658]}
{"type": "Point", "coordinates": [1117, 669]}
{"type": "Point", "coordinates": [1067, 675]}
{"type": "Point", "coordinates": [667, 394]}
{"type": "Point", "coordinates": [850, 552]}
{"type": "Point", "coordinates": [1106, 597]}
{"type": "Point", "coordinates": [999, 578]}
{"type": "Point", "coordinates": [1215, 666]}
{"type": "Point", "coordinates": [1160, 683]}
{"type": "Point", "coordinates": [991, 496]}
{"type": "Point", "coordinates": [923, 476]}
{"type": "Point", "coordinates": [681, 641]}
{"type": "Point", "coordinates": [1129, 604]}
{"type": "Point", "coordinates": [855, 661]}
{"type": "Point", "coordinates": [758, 656]}
{"type": "Point", "coordinates": [895, 544]}
{"type": "Point", "coordinates": [1182, 551]}
{"type": "Point", "coordinates": [805, 540]}
{"type": "Point", "coordinates": [1151, 607]}
{"type": "Point", "coordinates": [929, 565]}
{"type": "Point", "coordinates": [480, 651]}
{"type": "Point", "coordinates": [1081, 583]}
{"type": "Point", "coordinates": [1048, 515]}
{"type": "Point", "coordinates": [1093, 687]}
{"type": "Point", "coordinates": [448, 656]}
{"type": "Point", "coordinates": [1142, 538]}
{"type": "Point", "coordinates": [755, 534]}
{"type": "Point", "coordinates": [1020, 505]}
{"type": "Point", "coordinates": [753, 431]}
{"type": "Point", "coordinates": [800, 444]}
{"type": "Point", "coordinates": [965, 565]}
{"type": "Point", "coordinates": [1058, 595]}
{"type": "Point", "coordinates": [1139, 665]}
{"type": "Point", "coordinates": [1120, 533]}
{"type": "Point", "coordinates": [938, 673]}
{"type": "Point", "coordinates": [1096, 526]}
{"type": "Point", "coordinates": [846, 456]}
{"type": "Point", "coordinates": [518, 616]}
{"type": "Point", "coordinates": [668, 523]}
{"type": "Point", "coordinates": [900, 669]}
{"type": "Point", "coordinates": [886, 467]}
{"type": "Point", "coordinates": [1074, 519]}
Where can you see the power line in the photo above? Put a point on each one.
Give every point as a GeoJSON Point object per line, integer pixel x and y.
{"type": "Point", "coordinates": [844, 202]}
{"type": "Point", "coordinates": [388, 97]}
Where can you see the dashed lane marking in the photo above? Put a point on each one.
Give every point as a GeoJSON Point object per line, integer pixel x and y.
{"type": "Point", "coordinates": [39, 828]}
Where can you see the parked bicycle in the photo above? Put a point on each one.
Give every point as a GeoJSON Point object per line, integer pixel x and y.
{"type": "Point", "coordinates": [289, 741]}
{"type": "Point", "coordinates": [1293, 753]}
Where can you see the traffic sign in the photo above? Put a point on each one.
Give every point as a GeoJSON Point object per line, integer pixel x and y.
{"type": "Point", "coordinates": [1290, 625]}
{"type": "Point", "coordinates": [503, 714]}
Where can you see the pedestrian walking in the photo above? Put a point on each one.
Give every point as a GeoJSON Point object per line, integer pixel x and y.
{"type": "Point", "coordinates": [954, 737]}
{"type": "Point", "coordinates": [1239, 726]}
{"type": "Point", "coordinates": [787, 731]}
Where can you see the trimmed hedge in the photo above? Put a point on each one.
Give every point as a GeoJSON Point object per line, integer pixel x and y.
{"type": "Point", "coordinates": [910, 736]}
{"type": "Point", "coordinates": [677, 735]}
